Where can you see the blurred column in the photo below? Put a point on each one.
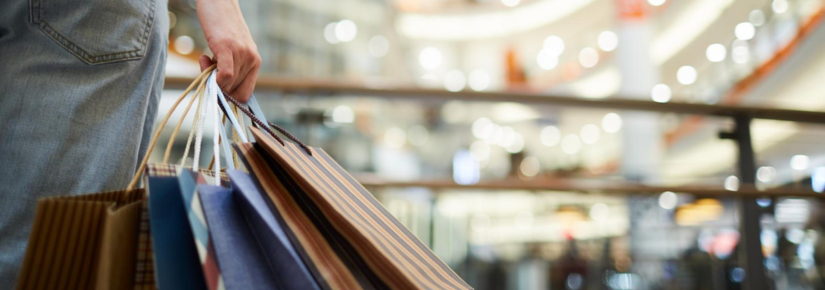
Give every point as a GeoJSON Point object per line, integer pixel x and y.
{"type": "Point", "coordinates": [642, 137]}
{"type": "Point", "coordinates": [642, 145]}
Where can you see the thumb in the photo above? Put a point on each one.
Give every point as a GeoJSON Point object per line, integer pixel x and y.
{"type": "Point", "coordinates": [205, 62]}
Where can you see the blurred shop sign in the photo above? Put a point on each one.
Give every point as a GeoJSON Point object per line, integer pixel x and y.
{"type": "Point", "coordinates": [631, 9]}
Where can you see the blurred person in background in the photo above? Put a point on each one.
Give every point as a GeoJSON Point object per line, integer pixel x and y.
{"type": "Point", "coordinates": [81, 81]}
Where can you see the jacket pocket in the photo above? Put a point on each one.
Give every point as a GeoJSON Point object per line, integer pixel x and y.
{"type": "Point", "coordinates": [97, 31]}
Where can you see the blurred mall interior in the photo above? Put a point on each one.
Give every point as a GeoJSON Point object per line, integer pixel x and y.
{"type": "Point", "coordinates": [562, 144]}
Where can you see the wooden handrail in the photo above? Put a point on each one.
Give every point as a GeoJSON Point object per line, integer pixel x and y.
{"type": "Point", "coordinates": [330, 88]}
{"type": "Point", "coordinates": [572, 186]}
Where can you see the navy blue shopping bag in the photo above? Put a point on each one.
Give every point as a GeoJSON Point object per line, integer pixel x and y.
{"type": "Point", "coordinates": [177, 264]}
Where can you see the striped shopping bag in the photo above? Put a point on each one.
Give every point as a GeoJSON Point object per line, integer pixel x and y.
{"type": "Point", "coordinates": [345, 234]}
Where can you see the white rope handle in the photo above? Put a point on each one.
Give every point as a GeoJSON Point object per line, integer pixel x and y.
{"type": "Point", "coordinates": [201, 118]}
{"type": "Point", "coordinates": [213, 103]}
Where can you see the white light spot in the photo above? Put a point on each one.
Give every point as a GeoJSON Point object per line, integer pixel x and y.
{"type": "Point", "coordinates": [656, 2]}
{"type": "Point", "coordinates": [378, 46]}
{"type": "Point", "coordinates": [184, 44]}
{"type": "Point", "coordinates": [716, 52]}
{"type": "Point", "coordinates": [660, 93]}
{"type": "Point", "coordinates": [779, 6]}
{"type": "Point", "coordinates": [395, 137]}
{"type": "Point", "coordinates": [757, 17]}
{"type": "Point", "coordinates": [766, 174]}
{"type": "Point", "coordinates": [612, 123]}
{"type": "Point", "coordinates": [346, 30]}
{"type": "Point", "coordinates": [571, 144]}
{"type": "Point", "coordinates": [418, 135]}
{"type": "Point", "coordinates": [588, 57]}
{"type": "Point", "coordinates": [483, 128]}
{"type": "Point", "coordinates": [343, 114]}
{"type": "Point", "coordinates": [686, 75]}
{"type": "Point", "coordinates": [480, 150]}
{"type": "Point", "coordinates": [668, 200]}
{"type": "Point", "coordinates": [530, 166]}
{"type": "Point", "coordinates": [744, 31]}
{"type": "Point", "coordinates": [479, 80]}
{"type": "Point", "coordinates": [590, 134]}
{"type": "Point", "coordinates": [497, 136]}
{"type": "Point", "coordinates": [466, 169]}
{"type": "Point", "coordinates": [329, 33]}
{"type": "Point", "coordinates": [608, 40]}
{"type": "Point", "coordinates": [510, 3]}
{"type": "Point", "coordinates": [795, 235]}
{"type": "Point", "coordinates": [550, 136]}
{"type": "Point", "coordinates": [517, 145]}
{"type": "Point", "coordinates": [455, 81]}
{"type": "Point", "coordinates": [547, 60]}
{"type": "Point", "coordinates": [740, 53]}
{"type": "Point", "coordinates": [599, 212]}
{"type": "Point", "coordinates": [508, 136]}
{"type": "Point", "coordinates": [818, 179]}
{"type": "Point", "coordinates": [799, 162]}
{"type": "Point", "coordinates": [732, 183]}
{"type": "Point", "coordinates": [430, 58]}
{"type": "Point", "coordinates": [554, 45]}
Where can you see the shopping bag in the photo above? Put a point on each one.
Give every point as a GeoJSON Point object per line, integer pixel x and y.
{"type": "Point", "coordinates": [389, 250]}
{"type": "Point", "coordinates": [86, 242]}
{"type": "Point", "coordinates": [252, 249]}
{"type": "Point", "coordinates": [177, 263]}
{"type": "Point", "coordinates": [267, 225]}
{"type": "Point", "coordinates": [329, 257]}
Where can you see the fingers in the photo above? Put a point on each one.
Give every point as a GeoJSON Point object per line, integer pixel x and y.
{"type": "Point", "coordinates": [237, 69]}
{"type": "Point", "coordinates": [226, 70]}
{"type": "Point", "coordinates": [241, 69]}
{"type": "Point", "coordinates": [247, 86]}
{"type": "Point", "coordinates": [205, 62]}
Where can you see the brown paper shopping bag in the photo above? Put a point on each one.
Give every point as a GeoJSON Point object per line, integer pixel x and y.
{"type": "Point", "coordinates": [86, 242]}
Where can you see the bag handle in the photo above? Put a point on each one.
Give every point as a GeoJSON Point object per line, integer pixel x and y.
{"type": "Point", "coordinates": [155, 136]}
{"type": "Point", "coordinates": [207, 88]}
{"type": "Point", "coordinates": [266, 126]}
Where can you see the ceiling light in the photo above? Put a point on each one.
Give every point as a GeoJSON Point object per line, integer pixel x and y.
{"type": "Point", "coordinates": [744, 31]}
{"type": "Point", "coordinates": [479, 80]}
{"type": "Point", "coordinates": [656, 2]}
{"type": "Point", "coordinates": [608, 40]}
{"type": "Point", "coordinates": [660, 93]}
{"type": "Point", "coordinates": [430, 58]}
{"type": "Point", "coordinates": [510, 3]}
{"type": "Point", "coordinates": [757, 17]}
{"type": "Point", "coordinates": [716, 52]}
{"type": "Point", "coordinates": [588, 57]}
{"type": "Point", "coordinates": [779, 6]}
{"type": "Point", "coordinates": [612, 123]}
{"type": "Point", "coordinates": [686, 75]}
{"type": "Point", "coordinates": [346, 30]}
{"type": "Point", "coordinates": [799, 162]}
{"type": "Point", "coordinates": [455, 81]}
{"type": "Point", "coordinates": [554, 45]}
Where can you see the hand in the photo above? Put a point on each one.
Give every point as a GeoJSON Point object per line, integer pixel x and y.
{"type": "Point", "coordinates": [232, 46]}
